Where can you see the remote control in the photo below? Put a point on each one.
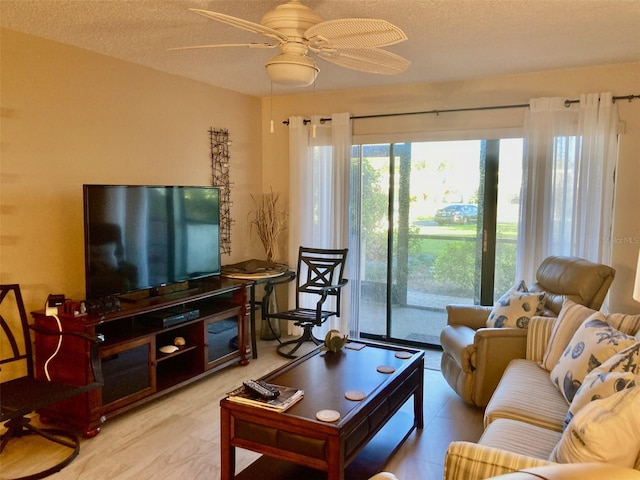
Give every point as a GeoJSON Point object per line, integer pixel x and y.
{"type": "Point", "coordinates": [260, 388]}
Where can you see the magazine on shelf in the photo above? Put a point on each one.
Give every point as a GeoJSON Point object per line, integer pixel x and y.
{"type": "Point", "coordinates": [288, 396]}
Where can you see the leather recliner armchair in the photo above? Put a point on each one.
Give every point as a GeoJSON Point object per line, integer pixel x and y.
{"type": "Point", "coordinates": [474, 357]}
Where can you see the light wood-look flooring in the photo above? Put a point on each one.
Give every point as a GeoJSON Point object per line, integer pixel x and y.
{"type": "Point", "coordinates": [177, 436]}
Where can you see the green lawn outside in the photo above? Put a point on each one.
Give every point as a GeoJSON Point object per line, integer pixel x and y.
{"type": "Point", "coordinates": [422, 244]}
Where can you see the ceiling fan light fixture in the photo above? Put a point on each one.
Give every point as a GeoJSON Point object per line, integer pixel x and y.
{"type": "Point", "coordinates": [299, 31]}
{"type": "Point", "coordinates": [292, 70]}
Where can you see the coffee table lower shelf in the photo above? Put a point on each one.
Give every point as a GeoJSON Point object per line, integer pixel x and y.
{"type": "Point", "coordinates": [371, 460]}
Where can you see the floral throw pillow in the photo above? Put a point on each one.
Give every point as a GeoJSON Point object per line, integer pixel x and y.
{"type": "Point", "coordinates": [616, 374]}
{"type": "Point", "coordinates": [594, 343]}
{"type": "Point", "coordinates": [516, 307]}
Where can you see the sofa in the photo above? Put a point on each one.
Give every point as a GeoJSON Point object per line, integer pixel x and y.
{"type": "Point", "coordinates": [568, 471]}
{"type": "Point", "coordinates": [573, 399]}
{"type": "Point", "coordinates": [475, 355]}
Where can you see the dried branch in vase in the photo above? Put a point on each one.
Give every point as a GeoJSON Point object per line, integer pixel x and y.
{"type": "Point", "coordinates": [269, 220]}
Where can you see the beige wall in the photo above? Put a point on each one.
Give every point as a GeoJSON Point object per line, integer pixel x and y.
{"type": "Point", "coordinates": [516, 89]}
{"type": "Point", "coordinates": [71, 117]}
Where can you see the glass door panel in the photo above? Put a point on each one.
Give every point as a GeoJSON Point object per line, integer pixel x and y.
{"type": "Point", "coordinates": [436, 246]}
{"type": "Point", "coordinates": [375, 168]}
{"type": "Point", "coordinates": [508, 214]}
{"type": "Point", "coordinates": [436, 225]}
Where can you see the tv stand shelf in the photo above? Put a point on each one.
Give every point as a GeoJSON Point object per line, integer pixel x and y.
{"type": "Point", "coordinates": [215, 328]}
{"type": "Point", "coordinates": [169, 356]}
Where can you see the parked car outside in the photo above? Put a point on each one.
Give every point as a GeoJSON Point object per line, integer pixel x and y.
{"type": "Point", "coordinates": [457, 213]}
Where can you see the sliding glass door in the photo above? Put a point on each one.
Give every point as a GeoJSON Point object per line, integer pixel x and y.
{"type": "Point", "coordinates": [432, 230]}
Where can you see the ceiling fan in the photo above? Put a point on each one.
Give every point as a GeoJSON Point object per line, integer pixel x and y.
{"type": "Point", "coordinates": [298, 31]}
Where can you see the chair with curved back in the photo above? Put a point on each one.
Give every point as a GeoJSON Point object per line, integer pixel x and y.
{"type": "Point", "coordinates": [319, 274]}
{"type": "Point", "coordinates": [21, 396]}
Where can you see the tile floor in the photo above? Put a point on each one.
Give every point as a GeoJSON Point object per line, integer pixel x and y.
{"type": "Point", "coordinates": [177, 436]}
{"type": "Point", "coordinates": [447, 418]}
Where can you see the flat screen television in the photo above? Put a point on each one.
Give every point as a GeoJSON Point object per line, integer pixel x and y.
{"type": "Point", "coordinates": [144, 237]}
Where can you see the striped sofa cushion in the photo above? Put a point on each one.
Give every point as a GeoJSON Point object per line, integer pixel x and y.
{"type": "Point", "coordinates": [519, 437]}
{"type": "Point", "coordinates": [471, 461]}
{"type": "Point", "coordinates": [538, 337]}
{"type": "Point", "coordinates": [513, 397]}
{"type": "Point", "coordinates": [626, 323]}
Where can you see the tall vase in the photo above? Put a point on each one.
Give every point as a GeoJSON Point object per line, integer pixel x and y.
{"type": "Point", "coordinates": [270, 332]}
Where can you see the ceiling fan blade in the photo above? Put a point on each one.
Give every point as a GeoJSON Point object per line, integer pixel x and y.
{"type": "Point", "coordinates": [355, 33]}
{"type": "Point", "coordinates": [243, 24]}
{"type": "Point", "coordinates": [370, 60]}
{"type": "Point", "coordinates": [248, 45]}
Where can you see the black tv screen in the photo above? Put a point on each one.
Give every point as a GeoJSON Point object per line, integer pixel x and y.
{"type": "Point", "coordinates": [143, 237]}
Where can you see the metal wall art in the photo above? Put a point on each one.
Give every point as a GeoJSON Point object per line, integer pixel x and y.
{"type": "Point", "coordinates": [220, 144]}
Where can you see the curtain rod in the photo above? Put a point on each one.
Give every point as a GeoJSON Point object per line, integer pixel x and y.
{"type": "Point", "coordinates": [567, 103]}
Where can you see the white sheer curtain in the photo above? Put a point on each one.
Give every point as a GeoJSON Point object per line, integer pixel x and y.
{"type": "Point", "coordinates": [319, 159]}
{"type": "Point", "coordinates": [566, 205]}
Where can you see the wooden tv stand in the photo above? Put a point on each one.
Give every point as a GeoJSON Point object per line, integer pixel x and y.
{"type": "Point", "coordinates": [211, 315]}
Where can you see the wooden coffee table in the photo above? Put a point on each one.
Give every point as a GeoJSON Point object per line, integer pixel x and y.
{"type": "Point", "coordinates": [297, 436]}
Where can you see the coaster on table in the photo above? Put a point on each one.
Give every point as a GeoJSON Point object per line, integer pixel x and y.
{"type": "Point", "coordinates": [386, 369]}
{"type": "Point", "coordinates": [404, 355]}
{"type": "Point", "coordinates": [354, 395]}
{"type": "Point", "coordinates": [328, 416]}
{"type": "Point", "coordinates": [355, 346]}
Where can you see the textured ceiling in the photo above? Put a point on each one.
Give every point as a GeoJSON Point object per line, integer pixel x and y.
{"type": "Point", "coordinates": [448, 39]}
